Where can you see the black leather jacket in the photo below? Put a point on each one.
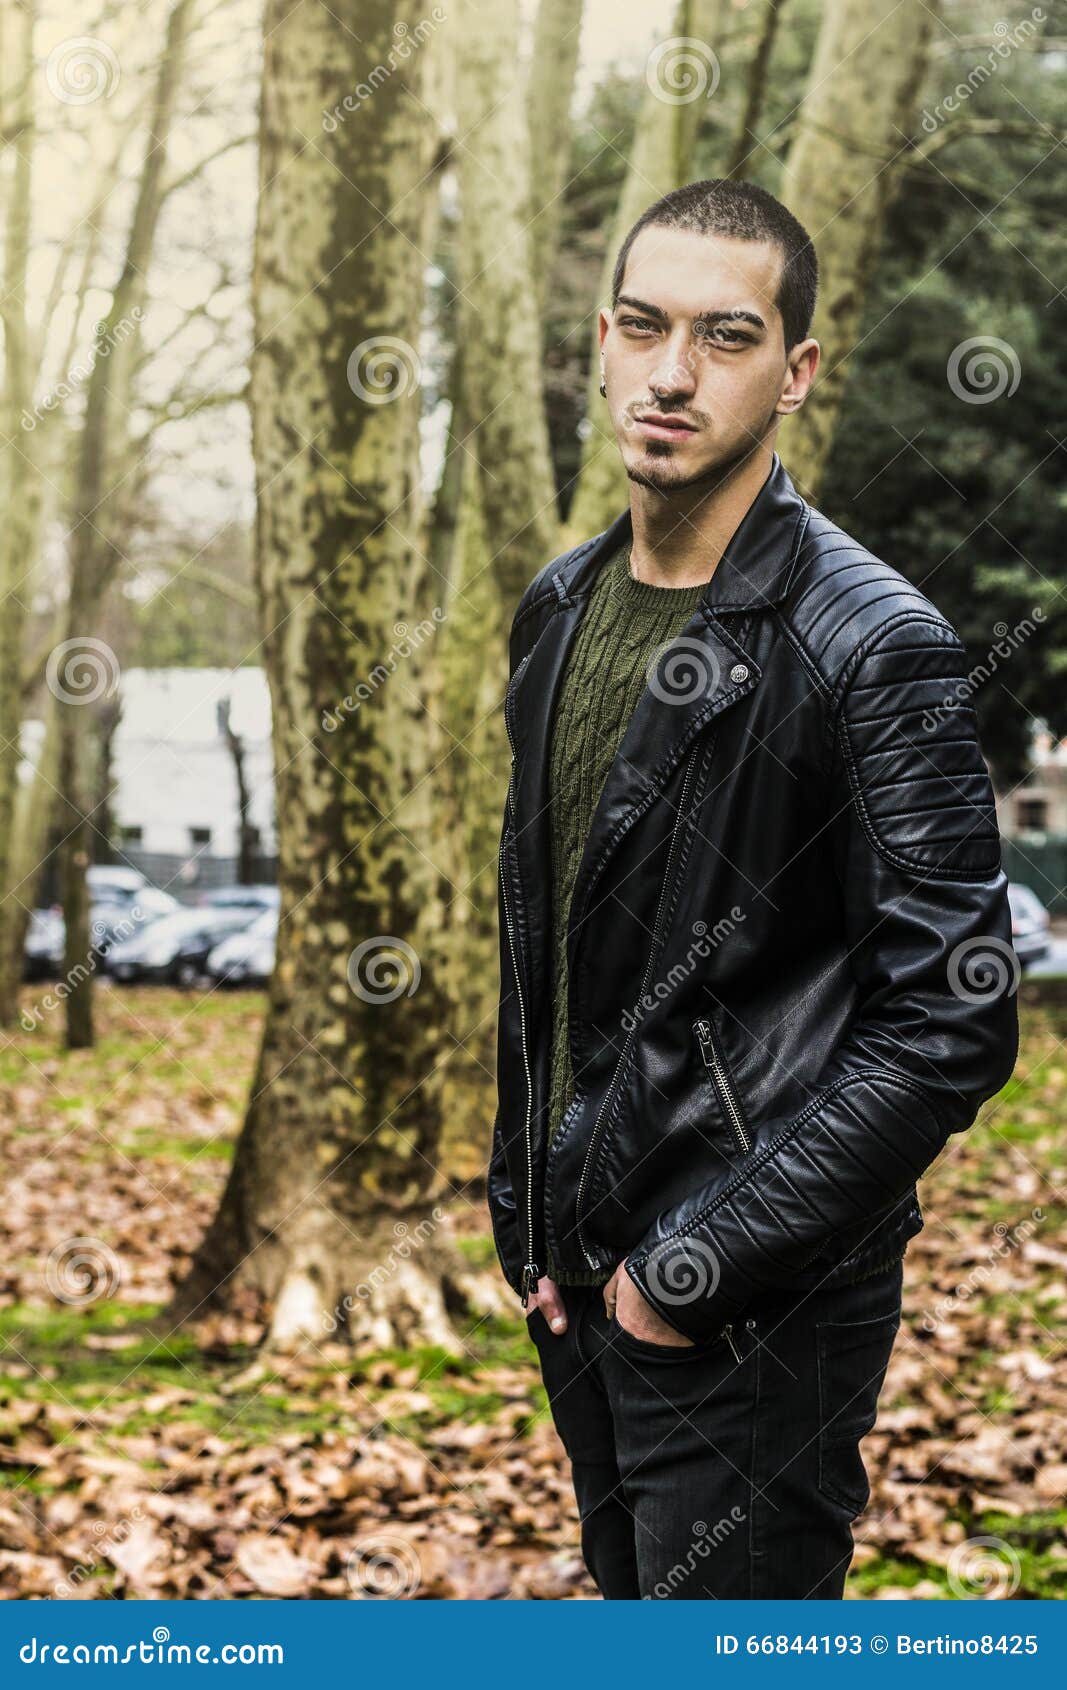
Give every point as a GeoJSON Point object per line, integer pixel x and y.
{"type": "Point", "coordinates": [791, 972]}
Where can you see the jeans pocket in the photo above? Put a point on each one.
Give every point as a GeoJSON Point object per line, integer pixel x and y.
{"type": "Point", "coordinates": [618, 1335]}
{"type": "Point", "coordinates": [852, 1360]}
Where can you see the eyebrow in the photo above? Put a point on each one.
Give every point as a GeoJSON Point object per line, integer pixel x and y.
{"type": "Point", "coordinates": [737, 315]}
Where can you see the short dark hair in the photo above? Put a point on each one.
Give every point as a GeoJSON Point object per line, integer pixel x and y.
{"type": "Point", "coordinates": [744, 212]}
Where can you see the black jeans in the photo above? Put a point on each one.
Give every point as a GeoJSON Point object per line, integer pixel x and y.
{"type": "Point", "coordinates": [703, 1473]}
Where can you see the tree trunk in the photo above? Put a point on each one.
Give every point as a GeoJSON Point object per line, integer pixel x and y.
{"type": "Point", "coordinates": [746, 145]}
{"type": "Point", "coordinates": [549, 93]}
{"type": "Point", "coordinates": [506, 524]}
{"type": "Point", "coordinates": [235, 746]}
{"type": "Point", "coordinates": [329, 1209]}
{"type": "Point", "coordinates": [19, 482]}
{"type": "Point", "coordinates": [508, 438]}
{"type": "Point", "coordinates": [861, 102]}
{"type": "Point", "coordinates": [679, 81]}
{"type": "Point", "coordinates": [82, 669]}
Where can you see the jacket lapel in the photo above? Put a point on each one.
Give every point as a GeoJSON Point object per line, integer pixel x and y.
{"type": "Point", "coordinates": [702, 672]}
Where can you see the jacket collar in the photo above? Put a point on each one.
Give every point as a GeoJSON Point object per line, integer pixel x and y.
{"type": "Point", "coordinates": [753, 572]}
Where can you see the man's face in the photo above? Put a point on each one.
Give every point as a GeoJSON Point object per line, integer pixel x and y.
{"type": "Point", "coordinates": [694, 356]}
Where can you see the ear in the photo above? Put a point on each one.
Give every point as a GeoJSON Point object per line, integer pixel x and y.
{"type": "Point", "coordinates": [802, 361]}
{"type": "Point", "coordinates": [603, 323]}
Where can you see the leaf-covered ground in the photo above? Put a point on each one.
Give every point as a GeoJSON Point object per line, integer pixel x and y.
{"type": "Point", "coordinates": [136, 1461]}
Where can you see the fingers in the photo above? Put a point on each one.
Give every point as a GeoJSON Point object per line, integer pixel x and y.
{"type": "Point", "coordinates": [550, 1303]}
{"type": "Point", "coordinates": [611, 1292]}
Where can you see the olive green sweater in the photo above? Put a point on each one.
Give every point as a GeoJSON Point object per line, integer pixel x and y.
{"type": "Point", "coordinates": [624, 625]}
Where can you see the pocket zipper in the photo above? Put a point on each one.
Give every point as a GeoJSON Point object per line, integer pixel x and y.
{"type": "Point", "coordinates": [531, 1271]}
{"type": "Point", "coordinates": [716, 1067]}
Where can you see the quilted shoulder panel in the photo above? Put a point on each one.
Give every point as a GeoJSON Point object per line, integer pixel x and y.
{"type": "Point", "coordinates": [909, 737]}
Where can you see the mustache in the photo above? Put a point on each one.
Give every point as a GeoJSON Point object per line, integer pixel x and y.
{"type": "Point", "coordinates": [667, 409]}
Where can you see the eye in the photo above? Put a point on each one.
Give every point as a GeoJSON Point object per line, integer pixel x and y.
{"type": "Point", "coordinates": [722, 335]}
{"type": "Point", "coordinates": [641, 324]}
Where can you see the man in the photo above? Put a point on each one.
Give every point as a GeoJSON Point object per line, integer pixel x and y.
{"type": "Point", "coordinates": [755, 944]}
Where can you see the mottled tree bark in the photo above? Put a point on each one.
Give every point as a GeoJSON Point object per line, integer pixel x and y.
{"type": "Point", "coordinates": [549, 92]}
{"type": "Point", "coordinates": [507, 437]}
{"type": "Point", "coordinates": [856, 116]}
{"type": "Point", "coordinates": [680, 79]}
{"type": "Point", "coordinates": [506, 524]}
{"type": "Point", "coordinates": [329, 1211]}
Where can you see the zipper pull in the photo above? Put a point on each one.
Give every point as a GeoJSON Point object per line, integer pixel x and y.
{"type": "Point", "coordinates": [707, 1045]}
{"type": "Point", "coordinates": [531, 1273]}
{"type": "Point", "coordinates": [728, 1334]}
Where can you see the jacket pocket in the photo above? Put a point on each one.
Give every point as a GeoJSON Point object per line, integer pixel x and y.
{"type": "Point", "coordinates": [733, 1112]}
{"type": "Point", "coordinates": [852, 1360]}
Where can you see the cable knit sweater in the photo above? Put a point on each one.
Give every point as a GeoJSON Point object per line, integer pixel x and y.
{"type": "Point", "coordinates": [625, 623]}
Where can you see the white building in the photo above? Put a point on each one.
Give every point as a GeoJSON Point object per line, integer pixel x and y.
{"type": "Point", "coordinates": [176, 808]}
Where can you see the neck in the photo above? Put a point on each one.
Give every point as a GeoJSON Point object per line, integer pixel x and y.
{"type": "Point", "coordinates": [680, 535]}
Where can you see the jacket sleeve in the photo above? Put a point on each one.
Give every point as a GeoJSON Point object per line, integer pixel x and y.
{"type": "Point", "coordinates": [915, 848]}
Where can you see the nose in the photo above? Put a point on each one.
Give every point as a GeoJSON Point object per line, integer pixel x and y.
{"type": "Point", "coordinates": [675, 377]}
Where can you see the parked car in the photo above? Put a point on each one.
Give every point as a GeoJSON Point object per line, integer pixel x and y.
{"type": "Point", "coordinates": [246, 958]}
{"type": "Point", "coordinates": [1029, 925]}
{"type": "Point", "coordinates": [175, 948]}
{"type": "Point", "coordinates": [112, 883]}
{"type": "Point", "coordinates": [43, 954]}
{"type": "Point", "coordinates": [110, 921]}
{"type": "Point", "coordinates": [254, 898]}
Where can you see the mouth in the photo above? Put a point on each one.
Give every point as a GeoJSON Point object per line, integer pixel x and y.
{"type": "Point", "coordinates": [656, 425]}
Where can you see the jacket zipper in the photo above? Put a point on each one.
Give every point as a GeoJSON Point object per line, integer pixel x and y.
{"type": "Point", "coordinates": [531, 1272]}
{"type": "Point", "coordinates": [653, 947]}
{"type": "Point", "coordinates": [716, 1067]}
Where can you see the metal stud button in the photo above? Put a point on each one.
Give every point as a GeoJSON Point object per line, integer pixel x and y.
{"type": "Point", "coordinates": [739, 672]}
